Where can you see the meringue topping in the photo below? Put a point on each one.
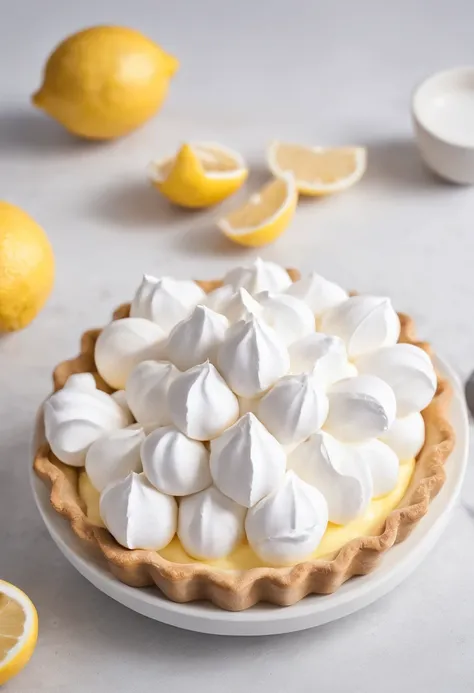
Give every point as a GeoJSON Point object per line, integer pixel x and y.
{"type": "Point", "coordinates": [290, 317]}
{"type": "Point", "coordinates": [197, 338]}
{"type": "Point", "coordinates": [319, 293]}
{"type": "Point", "coordinates": [200, 402]}
{"type": "Point", "coordinates": [342, 476]}
{"type": "Point", "coordinates": [383, 464]}
{"type": "Point", "coordinates": [294, 408]}
{"type": "Point", "coordinates": [77, 415]}
{"type": "Point", "coordinates": [324, 356]}
{"type": "Point", "coordinates": [247, 462]}
{"type": "Point", "coordinates": [252, 358]}
{"type": "Point", "coordinates": [409, 372]}
{"type": "Point", "coordinates": [235, 305]}
{"type": "Point", "coordinates": [114, 455]}
{"type": "Point", "coordinates": [165, 301]}
{"type": "Point", "coordinates": [124, 343]}
{"type": "Point", "coordinates": [286, 526]}
{"type": "Point", "coordinates": [174, 463]}
{"type": "Point", "coordinates": [137, 515]}
{"type": "Point", "coordinates": [259, 276]}
{"type": "Point", "coordinates": [360, 408]}
{"type": "Point", "coordinates": [210, 525]}
{"type": "Point", "coordinates": [365, 323]}
{"type": "Point", "coordinates": [147, 392]}
{"type": "Point", "coordinates": [406, 436]}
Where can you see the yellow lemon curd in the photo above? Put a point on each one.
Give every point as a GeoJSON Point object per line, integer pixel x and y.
{"type": "Point", "coordinates": [243, 558]}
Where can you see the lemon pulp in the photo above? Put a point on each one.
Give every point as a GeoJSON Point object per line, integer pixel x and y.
{"type": "Point", "coordinates": [243, 558]}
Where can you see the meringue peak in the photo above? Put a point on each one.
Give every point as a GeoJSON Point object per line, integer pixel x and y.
{"type": "Point", "coordinates": [288, 524]}
{"type": "Point", "coordinates": [200, 402]}
{"type": "Point", "coordinates": [294, 408]}
{"type": "Point", "coordinates": [247, 462]}
{"type": "Point", "coordinates": [365, 323]}
{"type": "Point", "coordinates": [252, 358]}
{"type": "Point", "coordinates": [165, 301]}
{"type": "Point", "coordinates": [196, 338]}
{"type": "Point", "coordinates": [318, 293]}
{"type": "Point", "coordinates": [258, 276]}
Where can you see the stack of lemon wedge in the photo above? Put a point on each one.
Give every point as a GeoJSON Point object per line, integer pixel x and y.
{"type": "Point", "coordinates": [205, 173]}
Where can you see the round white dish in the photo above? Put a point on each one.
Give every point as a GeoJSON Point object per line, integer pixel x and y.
{"type": "Point", "coordinates": [443, 116]}
{"type": "Point", "coordinates": [265, 619]}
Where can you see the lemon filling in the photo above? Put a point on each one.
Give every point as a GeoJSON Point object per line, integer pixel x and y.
{"type": "Point", "coordinates": [243, 558]}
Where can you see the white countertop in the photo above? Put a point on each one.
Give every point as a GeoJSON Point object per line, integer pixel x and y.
{"type": "Point", "coordinates": [334, 72]}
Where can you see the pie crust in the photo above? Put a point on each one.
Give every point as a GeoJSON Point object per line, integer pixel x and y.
{"type": "Point", "coordinates": [238, 590]}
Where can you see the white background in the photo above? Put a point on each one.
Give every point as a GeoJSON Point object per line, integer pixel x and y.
{"type": "Point", "coordinates": [317, 72]}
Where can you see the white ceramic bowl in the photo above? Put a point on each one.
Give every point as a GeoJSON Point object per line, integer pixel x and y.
{"type": "Point", "coordinates": [443, 115]}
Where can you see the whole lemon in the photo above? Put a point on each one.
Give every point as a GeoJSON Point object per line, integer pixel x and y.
{"type": "Point", "coordinates": [105, 81]}
{"type": "Point", "coordinates": [26, 268]}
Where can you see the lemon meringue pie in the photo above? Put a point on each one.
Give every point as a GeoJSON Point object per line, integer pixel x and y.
{"type": "Point", "coordinates": [245, 428]}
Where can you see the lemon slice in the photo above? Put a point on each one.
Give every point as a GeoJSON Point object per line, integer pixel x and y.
{"type": "Point", "coordinates": [200, 175]}
{"type": "Point", "coordinates": [318, 170]}
{"type": "Point", "coordinates": [265, 216]}
{"type": "Point", "coordinates": [18, 630]}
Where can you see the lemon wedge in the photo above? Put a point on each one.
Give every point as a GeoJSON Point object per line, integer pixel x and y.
{"type": "Point", "coordinates": [265, 216]}
{"type": "Point", "coordinates": [18, 630]}
{"type": "Point", "coordinates": [200, 175]}
{"type": "Point", "coordinates": [318, 170]}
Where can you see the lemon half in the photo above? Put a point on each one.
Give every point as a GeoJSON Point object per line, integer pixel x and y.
{"type": "Point", "coordinates": [318, 170]}
{"type": "Point", "coordinates": [200, 175]}
{"type": "Point", "coordinates": [18, 630]}
{"type": "Point", "coordinates": [105, 81]}
{"type": "Point", "coordinates": [265, 216]}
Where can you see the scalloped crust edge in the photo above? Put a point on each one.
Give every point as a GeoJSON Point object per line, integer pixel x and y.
{"type": "Point", "coordinates": [238, 590]}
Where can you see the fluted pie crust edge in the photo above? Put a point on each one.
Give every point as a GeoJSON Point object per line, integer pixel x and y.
{"type": "Point", "coordinates": [238, 590]}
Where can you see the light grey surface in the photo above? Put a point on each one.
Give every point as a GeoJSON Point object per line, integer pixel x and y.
{"type": "Point", "coordinates": [251, 71]}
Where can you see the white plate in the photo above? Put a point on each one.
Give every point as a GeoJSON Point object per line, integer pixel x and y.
{"type": "Point", "coordinates": [265, 619]}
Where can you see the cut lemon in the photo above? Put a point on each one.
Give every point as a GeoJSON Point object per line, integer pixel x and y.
{"type": "Point", "coordinates": [200, 175]}
{"type": "Point", "coordinates": [265, 216]}
{"type": "Point", "coordinates": [18, 630]}
{"type": "Point", "coordinates": [318, 170]}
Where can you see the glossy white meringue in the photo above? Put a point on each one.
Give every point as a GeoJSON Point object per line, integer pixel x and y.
{"type": "Point", "coordinates": [137, 515]}
{"type": "Point", "coordinates": [114, 455]}
{"type": "Point", "coordinates": [247, 462]}
{"type": "Point", "coordinates": [196, 338]}
{"type": "Point", "coordinates": [324, 356]}
{"type": "Point", "coordinates": [147, 392]}
{"type": "Point", "coordinates": [174, 463]}
{"type": "Point", "coordinates": [259, 276]}
{"type": "Point", "coordinates": [360, 408]}
{"type": "Point", "coordinates": [409, 372]}
{"type": "Point", "coordinates": [287, 526]}
{"type": "Point", "coordinates": [294, 408]}
{"type": "Point", "coordinates": [165, 301]}
{"type": "Point", "coordinates": [210, 525]}
{"type": "Point", "coordinates": [252, 358]}
{"type": "Point", "coordinates": [319, 293]}
{"type": "Point", "coordinates": [77, 415]}
{"type": "Point", "coordinates": [124, 343]}
{"type": "Point", "coordinates": [365, 323]}
{"type": "Point", "coordinates": [342, 476]}
{"type": "Point", "coordinates": [406, 436]}
{"type": "Point", "coordinates": [290, 317]}
{"type": "Point", "coordinates": [200, 402]}
{"type": "Point", "coordinates": [383, 464]}
{"type": "Point", "coordinates": [234, 304]}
